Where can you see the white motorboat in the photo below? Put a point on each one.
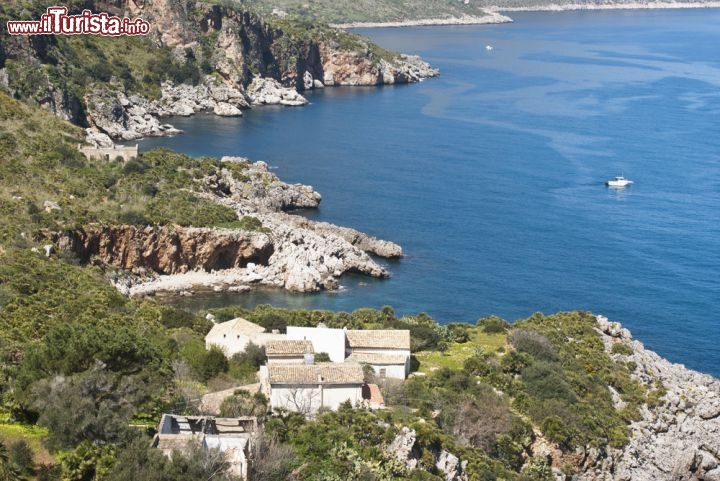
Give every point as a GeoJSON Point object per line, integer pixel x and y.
{"type": "Point", "coordinates": [619, 181]}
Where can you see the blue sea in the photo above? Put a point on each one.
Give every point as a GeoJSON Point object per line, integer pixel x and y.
{"type": "Point", "coordinates": [491, 176]}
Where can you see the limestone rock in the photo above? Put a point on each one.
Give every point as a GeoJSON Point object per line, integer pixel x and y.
{"type": "Point", "coordinates": [51, 205]}
{"type": "Point", "coordinates": [98, 139]}
{"type": "Point", "coordinates": [225, 109]}
{"type": "Point", "coordinates": [449, 464]}
{"type": "Point", "coordinates": [268, 91]}
{"type": "Point", "coordinates": [679, 439]}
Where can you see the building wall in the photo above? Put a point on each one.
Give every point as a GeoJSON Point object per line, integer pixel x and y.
{"type": "Point", "coordinates": [323, 339]}
{"type": "Point", "coordinates": [299, 398]}
{"type": "Point", "coordinates": [405, 352]}
{"type": "Point", "coordinates": [307, 399]}
{"type": "Point", "coordinates": [393, 371]}
{"type": "Point", "coordinates": [109, 153]}
{"type": "Point", "coordinates": [336, 394]}
{"type": "Point", "coordinates": [294, 359]}
{"type": "Point", "coordinates": [230, 343]}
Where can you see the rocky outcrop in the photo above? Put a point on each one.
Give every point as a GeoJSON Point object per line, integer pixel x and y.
{"type": "Point", "coordinates": [131, 117]}
{"type": "Point", "coordinates": [286, 251]}
{"type": "Point", "coordinates": [404, 447]}
{"type": "Point", "coordinates": [255, 189]}
{"type": "Point", "coordinates": [679, 438]}
{"type": "Point", "coordinates": [268, 91]}
{"type": "Point", "coordinates": [166, 250]}
{"type": "Point", "coordinates": [343, 67]}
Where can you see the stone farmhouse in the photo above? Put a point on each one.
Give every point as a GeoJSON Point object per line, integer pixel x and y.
{"type": "Point", "coordinates": [306, 388]}
{"type": "Point", "coordinates": [109, 153]}
{"type": "Point", "coordinates": [234, 335]}
{"type": "Point", "coordinates": [230, 436]}
{"type": "Point", "coordinates": [387, 351]}
{"type": "Point", "coordinates": [289, 352]}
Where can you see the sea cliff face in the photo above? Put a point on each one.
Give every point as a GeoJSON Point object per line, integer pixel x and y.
{"type": "Point", "coordinates": [679, 438]}
{"type": "Point", "coordinates": [277, 250]}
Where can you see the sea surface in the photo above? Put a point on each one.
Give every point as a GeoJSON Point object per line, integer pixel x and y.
{"type": "Point", "coordinates": [491, 176]}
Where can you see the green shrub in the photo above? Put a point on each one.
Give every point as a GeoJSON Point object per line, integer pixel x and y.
{"type": "Point", "coordinates": [493, 325]}
{"type": "Point", "coordinates": [533, 343]}
{"type": "Point", "coordinates": [620, 348]}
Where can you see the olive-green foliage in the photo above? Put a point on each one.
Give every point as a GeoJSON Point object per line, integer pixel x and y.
{"type": "Point", "coordinates": [367, 11]}
{"type": "Point", "coordinates": [94, 405]}
{"type": "Point", "coordinates": [620, 348]}
{"type": "Point", "coordinates": [206, 363]}
{"type": "Point", "coordinates": [532, 343]}
{"type": "Point", "coordinates": [322, 357]}
{"type": "Point", "coordinates": [137, 461]}
{"type": "Point", "coordinates": [493, 324]}
{"type": "Point", "coordinates": [242, 403]}
{"type": "Point", "coordinates": [21, 456]}
{"type": "Point", "coordinates": [344, 445]}
{"type": "Point", "coordinates": [253, 355]}
{"type": "Point", "coordinates": [566, 387]}
{"type": "Point", "coordinates": [43, 163]}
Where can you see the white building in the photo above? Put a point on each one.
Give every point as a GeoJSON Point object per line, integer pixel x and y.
{"type": "Point", "coordinates": [306, 388]}
{"type": "Point", "coordinates": [289, 352]}
{"type": "Point", "coordinates": [230, 436]}
{"type": "Point", "coordinates": [234, 335]}
{"type": "Point", "coordinates": [387, 351]}
{"type": "Point", "coordinates": [324, 339]}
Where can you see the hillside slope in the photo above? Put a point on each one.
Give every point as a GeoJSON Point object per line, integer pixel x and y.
{"type": "Point", "coordinates": [208, 57]}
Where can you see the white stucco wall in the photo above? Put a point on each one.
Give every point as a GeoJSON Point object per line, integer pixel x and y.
{"type": "Point", "coordinates": [286, 359]}
{"type": "Point", "coordinates": [323, 339]}
{"type": "Point", "coordinates": [336, 394]}
{"type": "Point", "coordinates": [229, 343]}
{"type": "Point", "coordinates": [298, 398]}
{"type": "Point", "coordinates": [308, 399]}
{"type": "Point", "coordinates": [405, 352]}
{"type": "Point", "coordinates": [393, 371]}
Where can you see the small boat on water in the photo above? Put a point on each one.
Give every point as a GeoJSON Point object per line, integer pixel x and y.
{"type": "Point", "coordinates": [619, 181]}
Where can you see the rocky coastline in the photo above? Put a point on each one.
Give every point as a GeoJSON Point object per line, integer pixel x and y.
{"type": "Point", "coordinates": [281, 250]}
{"type": "Point", "coordinates": [677, 438]}
{"type": "Point", "coordinates": [648, 5]}
{"type": "Point", "coordinates": [492, 17]}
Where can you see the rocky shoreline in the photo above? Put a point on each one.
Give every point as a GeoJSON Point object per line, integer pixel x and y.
{"type": "Point", "coordinates": [677, 438]}
{"type": "Point", "coordinates": [282, 251]}
{"type": "Point", "coordinates": [492, 17]}
{"type": "Point", "coordinates": [562, 7]}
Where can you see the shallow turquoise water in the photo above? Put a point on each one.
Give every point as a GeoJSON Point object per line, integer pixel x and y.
{"type": "Point", "coordinates": [490, 176]}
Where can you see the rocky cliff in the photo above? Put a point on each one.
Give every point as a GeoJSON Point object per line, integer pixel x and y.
{"type": "Point", "coordinates": [212, 58]}
{"type": "Point", "coordinates": [676, 438]}
{"type": "Point", "coordinates": [679, 438]}
{"type": "Point", "coordinates": [272, 248]}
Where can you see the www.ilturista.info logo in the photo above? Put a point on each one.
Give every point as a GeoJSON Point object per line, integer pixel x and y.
{"type": "Point", "coordinates": [57, 21]}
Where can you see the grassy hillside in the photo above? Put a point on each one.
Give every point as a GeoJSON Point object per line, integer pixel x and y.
{"type": "Point", "coordinates": [343, 11]}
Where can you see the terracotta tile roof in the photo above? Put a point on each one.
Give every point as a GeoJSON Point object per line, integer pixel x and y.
{"type": "Point", "coordinates": [236, 326]}
{"type": "Point", "coordinates": [283, 348]}
{"type": "Point", "coordinates": [375, 396]}
{"type": "Point", "coordinates": [379, 339]}
{"type": "Point", "coordinates": [375, 358]}
{"type": "Point", "coordinates": [324, 373]}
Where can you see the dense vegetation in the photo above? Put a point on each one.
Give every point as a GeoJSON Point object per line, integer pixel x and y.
{"type": "Point", "coordinates": [41, 163]}
{"type": "Point", "coordinates": [370, 10]}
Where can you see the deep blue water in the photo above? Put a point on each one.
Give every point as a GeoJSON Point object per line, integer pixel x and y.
{"type": "Point", "coordinates": [491, 176]}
